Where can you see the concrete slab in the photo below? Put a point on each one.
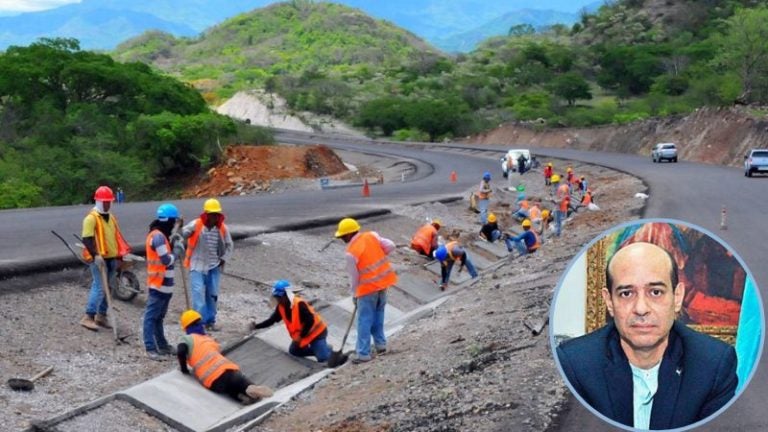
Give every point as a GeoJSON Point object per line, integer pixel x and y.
{"type": "Point", "coordinates": [479, 261]}
{"type": "Point", "coordinates": [182, 399]}
{"type": "Point", "coordinates": [271, 366]}
{"type": "Point", "coordinates": [456, 277]}
{"type": "Point", "coordinates": [497, 249]}
{"type": "Point", "coordinates": [424, 289]}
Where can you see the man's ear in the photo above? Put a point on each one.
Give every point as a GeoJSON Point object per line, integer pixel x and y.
{"type": "Point", "coordinates": [608, 301]}
{"type": "Point", "coordinates": [679, 296]}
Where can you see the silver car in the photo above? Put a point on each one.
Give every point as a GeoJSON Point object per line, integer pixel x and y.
{"type": "Point", "coordinates": [756, 162]}
{"type": "Point", "coordinates": [664, 151]}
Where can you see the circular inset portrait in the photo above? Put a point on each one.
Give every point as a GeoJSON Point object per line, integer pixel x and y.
{"type": "Point", "coordinates": [657, 324]}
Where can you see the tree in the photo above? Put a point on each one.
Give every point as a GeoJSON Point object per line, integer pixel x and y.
{"type": "Point", "coordinates": [743, 49]}
{"type": "Point", "coordinates": [521, 30]}
{"type": "Point", "coordinates": [571, 86]}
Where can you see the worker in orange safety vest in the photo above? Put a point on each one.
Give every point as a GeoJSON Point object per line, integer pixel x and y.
{"type": "Point", "coordinates": [370, 275]}
{"type": "Point", "coordinates": [425, 240]}
{"type": "Point", "coordinates": [214, 371]}
{"type": "Point", "coordinates": [104, 246]}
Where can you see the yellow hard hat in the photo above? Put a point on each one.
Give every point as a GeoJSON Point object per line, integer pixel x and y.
{"type": "Point", "coordinates": [526, 223]}
{"type": "Point", "coordinates": [491, 217]}
{"type": "Point", "coordinates": [347, 226]}
{"type": "Point", "coordinates": [555, 178]}
{"type": "Point", "coordinates": [437, 221]}
{"type": "Point", "coordinates": [569, 169]}
{"type": "Point", "coordinates": [549, 164]}
{"type": "Point", "coordinates": [188, 317]}
{"type": "Point", "coordinates": [544, 214]}
{"type": "Point", "coordinates": [212, 205]}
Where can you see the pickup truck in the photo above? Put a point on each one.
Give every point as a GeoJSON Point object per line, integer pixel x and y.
{"type": "Point", "coordinates": [756, 161]}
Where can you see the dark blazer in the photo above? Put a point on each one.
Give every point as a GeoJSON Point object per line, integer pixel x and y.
{"type": "Point", "coordinates": [696, 378]}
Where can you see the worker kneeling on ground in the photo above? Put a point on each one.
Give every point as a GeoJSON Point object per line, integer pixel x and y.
{"type": "Point", "coordinates": [210, 367]}
{"type": "Point", "coordinates": [425, 240]}
{"type": "Point", "coordinates": [307, 329]}
{"type": "Point", "coordinates": [527, 242]}
{"type": "Point", "coordinates": [448, 255]}
{"type": "Point", "coordinates": [490, 230]}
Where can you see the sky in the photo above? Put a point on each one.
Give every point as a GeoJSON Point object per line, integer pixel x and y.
{"type": "Point", "coordinates": [17, 6]}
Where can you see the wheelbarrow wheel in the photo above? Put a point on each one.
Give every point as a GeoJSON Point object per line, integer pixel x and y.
{"type": "Point", "coordinates": [127, 286]}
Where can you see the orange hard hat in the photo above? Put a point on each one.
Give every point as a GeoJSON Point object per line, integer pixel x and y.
{"type": "Point", "coordinates": [104, 193]}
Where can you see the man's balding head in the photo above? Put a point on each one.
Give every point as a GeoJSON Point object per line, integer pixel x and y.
{"type": "Point", "coordinates": [640, 253]}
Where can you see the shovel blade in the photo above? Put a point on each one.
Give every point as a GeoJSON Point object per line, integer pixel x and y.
{"type": "Point", "coordinates": [337, 359]}
{"type": "Point", "coordinates": [21, 384]}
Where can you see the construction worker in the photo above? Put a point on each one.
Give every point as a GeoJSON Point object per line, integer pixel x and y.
{"type": "Point", "coordinates": [160, 274]}
{"type": "Point", "coordinates": [562, 213]}
{"type": "Point", "coordinates": [370, 274]}
{"type": "Point", "coordinates": [209, 247]}
{"type": "Point", "coordinates": [104, 247]}
{"type": "Point", "coordinates": [448, 254]}
{"type": "Point", "coordinates": [484, 196]}
{"type": "Point", "coordinates": [569, 176]}
{"type": "Point", "coordinates": [555, 183]}
{"type": "Point", "coordinates": [546, 219]}
{"type": "Point", "coordinates": [214, 371]}
{"type": "Point", "coordinates": [307, 329]}
{"type": "Point", "coordinates": [523, 209]}
{"type": "Point", "coordinates": [548, 174]}
{"type": "Point", "coordinates": [563, 189]}
{"type": "Point", "coordinates": [527, 242]}
{"type": "Point", "coordinates": [490, 230]}
{"type": "Point", "coordinates": [425, 241]}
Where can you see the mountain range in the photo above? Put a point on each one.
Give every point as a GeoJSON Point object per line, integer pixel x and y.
{"type": "Point", "coordinates": [449, 25]}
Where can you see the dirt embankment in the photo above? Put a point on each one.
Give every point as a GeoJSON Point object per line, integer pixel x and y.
{"type": "Point", "coordinates": [710, 135]}
{"type": "Point", "coordinates": [252, 169]}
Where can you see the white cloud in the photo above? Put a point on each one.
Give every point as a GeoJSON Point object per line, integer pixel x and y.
{"type": "Point", "coordinates": [32, 5]}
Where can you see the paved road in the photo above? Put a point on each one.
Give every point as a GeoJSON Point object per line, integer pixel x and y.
{"type": "Point", "coordinates": [687, 191]}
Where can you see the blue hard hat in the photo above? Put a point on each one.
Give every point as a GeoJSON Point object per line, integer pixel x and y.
{"type": "Point", "coordinates": [487, 175]}
{"type": "Point", "coordinates": [278, 289]}
{"type": "Point", "coordinates": [167, 211]}
{"type": "Point", "coordinates": [441, 253]}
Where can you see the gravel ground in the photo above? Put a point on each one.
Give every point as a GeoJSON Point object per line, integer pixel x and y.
{"type": "Point", "coordinates": [472, 364]}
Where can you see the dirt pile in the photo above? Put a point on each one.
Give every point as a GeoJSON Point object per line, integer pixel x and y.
{"type": "Point", "coordinates": [252, 169]}
{"type": "Point", "coordinates": [719, 136]}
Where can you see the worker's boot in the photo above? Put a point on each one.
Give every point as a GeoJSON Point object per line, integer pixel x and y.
{"type": "Point", "coordinates": [102, 321]}
{"type": "Point", "coordinates": [89, 323]}
{"type": "Point", "coordinates": [258, 392]}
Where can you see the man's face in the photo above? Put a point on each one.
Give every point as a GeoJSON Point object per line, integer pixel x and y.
{"type": "Point", "coordinates": [106, 205]}
{"type": "Point", "coordinates": [642, 302]}
{"type": "Point", "coordinates": [212, 219]}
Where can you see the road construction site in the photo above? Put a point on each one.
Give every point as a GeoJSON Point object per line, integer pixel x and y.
{"type": "Point", "coordinates": [476, 356]}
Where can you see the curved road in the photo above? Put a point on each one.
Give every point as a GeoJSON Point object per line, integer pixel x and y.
{"type": "Point", "coordinates": [687, 191]}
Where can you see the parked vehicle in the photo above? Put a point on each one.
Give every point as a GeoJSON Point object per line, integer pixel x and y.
{"type": "Point", "coordinates": [514, 154]}
{"type": "Point", "coordinates": [664, 151]}
{"type": "Point", "coordinates": [756, 161]}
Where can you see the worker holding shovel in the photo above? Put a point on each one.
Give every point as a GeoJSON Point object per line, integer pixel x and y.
{"type": "Point", "coordinates": [104, 246]}
{"type": "Point", "coordinates": [307, 329]}
{"type": "Point", "coordinates": [161, 262]}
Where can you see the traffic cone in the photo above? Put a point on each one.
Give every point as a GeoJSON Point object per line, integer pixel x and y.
{"type": "Point", "coordinates": [366, 189]}
{"type": "Point", "coordinates": [454, 177]}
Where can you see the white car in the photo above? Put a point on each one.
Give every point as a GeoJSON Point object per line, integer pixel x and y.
{"type": "Point", "coordinates": [664, 151]}
{"type": "Point", "coordinates": [513, 155]}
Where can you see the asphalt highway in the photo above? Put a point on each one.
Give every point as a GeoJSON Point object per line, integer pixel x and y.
{"type": "Point", "coordinates": [687, 191]}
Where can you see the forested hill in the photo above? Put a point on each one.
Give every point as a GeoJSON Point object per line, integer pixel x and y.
{"type": "Point", "coordinates": [72, 120]}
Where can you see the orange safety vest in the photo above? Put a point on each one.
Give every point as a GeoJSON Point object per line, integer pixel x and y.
{"type": "Point", "coordinates": [547, 171]}
{"type": "Point", "coordinates": [535, 212]}
{"type": "Point", "coordinates": [564, 205]}
{"type": "Point", "coordinates": [449, 246]}
{"type": "Point", "coordinates": [537, 244]}
{"type": "Point", "coordinates": [192, 243]}
{"type": "Point", "coordinates": [155, 267]}
{"type": "Point", "coordinates": [587, 200]}
{"type": "Point", "coordinates": [294, 324]}
{"type": "Point", "coordinates": [373, 266]}
{"type": "Point", "coordinates": [524, 204]}
{"type": "Point", "coordinates": [563, 190]}
{"type": "Point", "coordinates": [422, 240]}
{"type": "Point", "coordinates": [205, 359]}
{"type": "Point", "coordinates": [123, 248]}
{"type": "Point", "coordinates": [481, 193]}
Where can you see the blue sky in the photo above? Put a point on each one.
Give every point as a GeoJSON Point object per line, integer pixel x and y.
{"type": "Point", "coordinates": [16, 6]}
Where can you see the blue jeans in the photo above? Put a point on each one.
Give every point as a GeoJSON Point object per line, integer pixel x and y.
{"type": "Point", "coordinates": [446, 270]}
{"type": "Point", "coordinates": [520, 214]}
{"type": "Point", "coordinates": [154, 314]}
{"type": "Point", "coordinates": [97, 302]}
{"type": "Point", "coordinates": [318, 348]}
{"type": "Point", "coordinates": [370, 322]}
{"type": "Point", "coordinates": [495, 235]}
{"type": "Point", "coordinates": [205, 293]}
{"type": "Point", "coordinates": [559, 216]}
{"type": "Point", "coordinates": [482, 205]}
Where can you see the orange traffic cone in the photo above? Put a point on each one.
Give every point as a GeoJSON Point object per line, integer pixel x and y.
{"type": "Point", "coordinates": [454, 177]}
{"type": "Point", "coordinates": [366, 189]}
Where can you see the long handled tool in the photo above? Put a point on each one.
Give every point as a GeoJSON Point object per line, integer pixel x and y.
{"type": "Point", "coordinates": [77, 255]}
{"type": "Point", "coordinates": [108, 294]}
{"type": "Point", "coordinates": [338, 358]}
{"type": "Point", "coordinates": [177, 237]}
{"type": "Point", "coordinates": [23, 384]}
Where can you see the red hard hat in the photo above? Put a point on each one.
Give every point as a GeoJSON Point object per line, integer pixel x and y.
{"type": "Point", "coordinates": [104, 193]}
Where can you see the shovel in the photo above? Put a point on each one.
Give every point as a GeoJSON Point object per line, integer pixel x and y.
{"type": "Point", "coordinates": [108, 295]}
{"type": "Point", "coordinates": [23, 384]}
{"type": "Point", "coordinates": [338, 358]}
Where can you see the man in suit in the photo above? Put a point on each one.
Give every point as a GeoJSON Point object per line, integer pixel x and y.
{"type": "Point", "coordinates": [645, 369]}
